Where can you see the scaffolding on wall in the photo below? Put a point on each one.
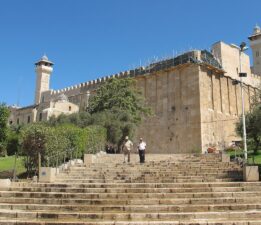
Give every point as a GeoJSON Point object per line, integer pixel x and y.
{"type": "Point", "coordinates": [188, 57]}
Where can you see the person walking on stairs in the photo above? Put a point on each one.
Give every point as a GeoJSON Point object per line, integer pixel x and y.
{"type": "Point", "coordinates": [141, 149]}
{"type": "Point", "coordinates": [127, 146]}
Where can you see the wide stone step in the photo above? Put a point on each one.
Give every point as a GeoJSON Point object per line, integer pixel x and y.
{"type": "Point", "coordinates": [139, 185]}
{"type": "Point", "coordinates": [135, 189]}
{"type": "Point", "coordinates": [128, 194]}
{"type": "Point", "coordinates": [154, 168]}
{"type": "Point", "coordinates": [133, 201]}
{"type": "Point", "coordinates": [190, 222]}
{"type": "Point", "coordinates": [78, 222]}
{"type": "Point", "coordinates": [231, 215]}
{"type": "Point", "coordinates": [158, 174]}
{"type": "Point", "coordinates": [131, 208]}
{"type": "Point", "coordinates": [139, 180]}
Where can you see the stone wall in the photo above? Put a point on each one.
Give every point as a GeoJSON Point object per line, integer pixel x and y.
{"type": "Point", "coordinates": [22, 115]}
{"type": "Point", "coordinates": [220, 106]}
{"type": "Point", "coordinates": [174, 98]}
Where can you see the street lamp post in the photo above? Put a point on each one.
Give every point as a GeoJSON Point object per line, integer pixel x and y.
{"type": "Point", "coordinates": [241, 49]}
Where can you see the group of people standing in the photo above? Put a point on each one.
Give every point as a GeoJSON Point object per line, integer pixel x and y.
{"type": "Point", "coordinates": [127, 147]}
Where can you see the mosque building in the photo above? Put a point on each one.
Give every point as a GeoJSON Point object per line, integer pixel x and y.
{"type": "Point", "coordinates": [194, 96]}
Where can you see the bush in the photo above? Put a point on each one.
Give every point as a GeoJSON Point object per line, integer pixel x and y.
{"type": "Point", "coordinates": [4, 114]}
{"type": "Point", "coordinates": [57, 143]}
{"type": "Point", "coordinates": [34, 140]}
{"type": "Point", "coordinates": [96, 139]}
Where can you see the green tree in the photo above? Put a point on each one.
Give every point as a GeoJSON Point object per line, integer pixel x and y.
{"type": "Point", "coordinates": [118, 124]}
{"type": "Point", "coordinates": [4, 114]}
{"type": "Point", "coordinates": [76, 137]}
{"type": "Point", "coordinates": [121, 94]}
{"type": "Point", "coordinates": [13, 145]}
{"type": "Point", "coordinates": [253, 126]}
{"type": "Point", "coordinates": [119, 107]}
{"type": "Point", "coordinates": [56, 143]}
{"type": "Point", "coordinates": [33, 141]}
{"type": "Point", "coordinates": [81, 119]}
{"type": "Point", "coordinates": [96, 139]}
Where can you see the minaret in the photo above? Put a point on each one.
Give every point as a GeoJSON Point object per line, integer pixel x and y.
{"type": "Point", "coordinates": [255, 43]}
{"type": "Point", "coordinates": [43, 69]}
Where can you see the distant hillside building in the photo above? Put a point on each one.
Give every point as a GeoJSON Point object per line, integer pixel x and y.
{"type": "Point", "coordinates": [193, 96]}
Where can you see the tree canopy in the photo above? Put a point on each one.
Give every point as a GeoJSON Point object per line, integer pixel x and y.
{"type": "Point", "coordinates": [55, 143]}
{"type": "Point", "coordinates": [120, 94]}
{"type": "Point", "coordinates": [4, 114]}
{"type": "Point", "coordinates": [253, 123]}
{"type": "Point", "coordinates": [117, 106]}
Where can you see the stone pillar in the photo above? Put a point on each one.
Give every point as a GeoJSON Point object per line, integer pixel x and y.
{"type": "Point", "coordinates": [89, 159]}
{"type": "Point", "coordinates": [250, 173]}
{"type": "Point", "coordinates": [48, 174]}
{"type": "Point", "coordinates": [5, 183]}
{"type": "Point", "coordinates": [225, 157]}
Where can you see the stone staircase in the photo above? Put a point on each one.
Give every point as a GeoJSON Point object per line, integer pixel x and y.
{"type": "Point", "coordinates": [167, 189]}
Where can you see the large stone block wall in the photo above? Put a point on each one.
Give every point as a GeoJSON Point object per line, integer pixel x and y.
{"type": "Point", "coordinates": [221, 108]}
{"type": "Point", "coordinates": [174, 98]}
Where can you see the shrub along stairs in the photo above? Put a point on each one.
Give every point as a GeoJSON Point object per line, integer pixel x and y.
{"type": "Point", "coordinates": [184, 189]}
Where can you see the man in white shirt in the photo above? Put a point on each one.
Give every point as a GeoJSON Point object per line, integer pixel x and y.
{"type": "Point", "coordinates": [141, 149]}
{"type": "Point", "coordinates": [127, 146]}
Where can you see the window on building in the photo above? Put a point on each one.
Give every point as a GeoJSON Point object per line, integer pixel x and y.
{"type": "Point", "coordinates": [42, 98]}
{"type": "Point", "coordinates": [10, 122]}
{"type": "Point", "coordinates": [28, 119]}
{"type": "Point", "coordinates": [257, 53]}
{"type": "Point", "coordinates": [17, 121]}
{"type": "Point", "coordinates": [70, 108]}
{"type": "Point", "coordinates": [40, 117]}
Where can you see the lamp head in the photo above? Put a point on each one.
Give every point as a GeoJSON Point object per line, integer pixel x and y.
{"type": "Point", "coordinates": [243, 46]}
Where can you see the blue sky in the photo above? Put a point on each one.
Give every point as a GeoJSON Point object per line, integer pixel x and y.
{"type": "Point", "coordinates": [89, 39]}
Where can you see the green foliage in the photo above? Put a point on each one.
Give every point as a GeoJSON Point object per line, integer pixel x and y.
{"type": "Point", "coordinates": [118, 124]}
{"type": "Point", "coordinates": [81, 119]}
{"type": "Point", "coordinates": [119, 107]}
{"type": "Point", "coordinates": [34, 140]}
{"type": "Point", "coordinates": [96, 139]}
{"type": "Point", "coordinates": [12, 146]}
{"type": "Point", "coordinates": [121, 94]}
{"type": "Point", "coordinates": [253, 127]}
{"type": "Point", "coordinates": [4, 114]}
{"type": "Point", "coordinates": [56, 143]}
{"type": "Point", "coordinates": [114, 113]}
